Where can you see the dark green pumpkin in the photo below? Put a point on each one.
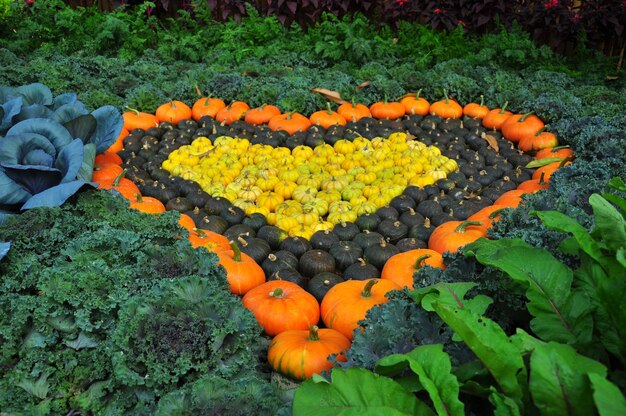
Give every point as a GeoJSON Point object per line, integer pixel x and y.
{"type": "Point", "coordinates": [366, 238]}
{"type": "Point", "coordinates": [233, 215]}
{"type": "Point", "coordinates": [323, 239]}
{"type": "Point", "coordinates": [409, 243]}
{"type": "Point", "coordinates": [345, 253]}
{"type": "Point", "coordinates": [402, 203]}
{"type": "Point", "coordinates": [290, 275]}
{"type": "Point", "coordinates": [378, 254]}
{"type": "Point", "coordinates": [272, 234]}
{"type": "Point", "coordinates": [255, 220]}
{"type": "Point", "coordinates": [279, 260]}
{"type": "Point", "coordinates": [393, 230]}
{"type": "Point", "coordinates": [213, 223]}
{"type": "Point", "coordinates": [296, 245]}
{"type": "Point", "coordinates": [217, 204]}
{"type": "Point", "coordinates": [388, 213]}
{"type": "Point", "coordinates": [411, 218]}
{"type": "Point", "coordinates": [316, 261]}
{"type": "Point", "coordinates": [346, 231]}
{"type": "Point", "coordinates": [239, 230]}
{"type": "Point", "coordinates": [422, 231]}
{"type": "Point", "coordinates": [180, 204]}
{"type": "Point", "coordinates": [361, 270]}
{"type": "Point", "coordinates": [368, 221]}
{"type": "Point", "coordinates": [321, 283]}
{"type": "Point", "coordinates": [256, 248]}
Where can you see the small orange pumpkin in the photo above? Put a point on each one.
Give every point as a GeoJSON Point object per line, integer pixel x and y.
{"type": "Point", "coordinates": [446, 108]}
{"type": "Point", "coordinates": [534, 185]}
{"type": "Point", "coordinates": [299, 354]}
{"type": "Point", "coordinates": [401, 267]}
{"type": "Point", "coordinates": [173, 112]}
{"type": "Point", "coordinates": [546, 171]}
{"type": "Point", "coordinates": [147, 204]}
{"type": "Point", "coordinates": [289, 122]}
{"type": "Point", "coordinates": [541, 140]}
{"type": "Point", "coordinates": [346, 303]}
{"type": "Point", "coordinates": [327, 118]}
{"type": "Point", "coordinates": [414, 104]}
{"type": "Point", "coordinates": [280, 305]}
{"type": "Point", "coordinates": [134, 119]}
{"type": "Point", "coordinates": [108, 158]}
{"type": "Point", "coordinates": [233, 112]}
{"type": "Point", "coordinates": [186, 222]}
{"type": "Point", "coordinates": [488, 215]}
{"type": "Point", "coordinates": [124, 186]}
{"type": "Point", "coordinates": [242, 272]}
{"type": "Point", "coordinates": [497, 116]}
{"type": "Point", "coordinates": [510, 198]}
{"type": "Point", "coordinates": [452, 235]}
{"type": "Point", "coordinates": [560, 152]}
{"type": "Point", "coordinates": [119, 142]}
{"type": "Point", "coordinates": [387, 110]}
{"type": "Point", "coordinates": [519, 126]}
{"type": "Point", "coordinates": [353, 112]}
{"type": "Point", "coordinates": [208, 239]}
{"type": "Point", "coordinates": [206, 106]}
{"type": "Point", "coordinates": [262, 114]}
{"type": "Point", "coordinates": [476, 110]}
{"type": "Point", "coordinates": [106, 172]}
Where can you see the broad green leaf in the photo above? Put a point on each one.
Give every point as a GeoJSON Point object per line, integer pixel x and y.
{"type": "Point", "coordinates": [558, 380]}
{"type": "Point", "coordinates": [621, 256]}
{"type": "Point", "coordinates": [607, 396]}
{"type": "Point", "coordinates": [356, 392]}
{"type": "Point", "coordinates": [503, 405]}
{"type": "Point", "coordinates": [618, 201]}
{"type": "Point", "coordinates": [452, 294]}
{"type": "Point", "coordinates": [610, 225]}
{"type": "Point", "coordinates": [558, 314]}
{"type": "Point", "coordinates": [89, 156]}
{"type": "Point", "coordinates": [433, 367]}
{"type": "Point", "coordinates": [38, 388]}
{"type": "Point", "coordinates": [491, 345]}
{"type": "Point", "coordinates": [82, 341]}
{"type": "Point", "coordinates": [618, 184]}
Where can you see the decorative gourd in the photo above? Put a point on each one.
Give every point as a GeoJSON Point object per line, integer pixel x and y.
{"type": "Point", "coordinates": [206, 106]}
{"type": "Point", "coordinates": [242, 272]}
{"type": "Point", "coordinates": [173, 112]}
{"type": "Point", "coordinates": [321, 283]}
{"type": "Point", "coordinates": [518, 126]}
{"type": "Point", "coordinates": [147, 204]}
{"type": "Point", "coordinates": [446, 108]}
{"type": "Point", "coordinates": [361, 270]}
{"type": "Point", "coordinates": [300, 354]}
{"type": "Point", "coordinates": [347, 303]}
{"type": "Point", "coordinates": [497, 116]}
{"type": "Point", "coordinates": [401, 267]}
{"type": "Point", "coordinates": [280, 305]}
{"type": "Point", "coordinates": [378, 254]}
{"type": "Point", "coordinates": [452, 235]}
{"type": "Point", "coordinates": [316, 261]}
{"type": "Point", "coordinates": [262, 114]}
{"type": "Point", "coordinates": [415, 105]}
{"type": "Point", "coordinates": [476, 110]}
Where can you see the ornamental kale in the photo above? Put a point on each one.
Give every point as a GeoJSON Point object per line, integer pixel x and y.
{"type": "Point", "coordinates": [48, 145]}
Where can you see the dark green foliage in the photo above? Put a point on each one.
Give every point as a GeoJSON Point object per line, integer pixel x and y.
{"type": "Point", "coordinates": [103, 308]}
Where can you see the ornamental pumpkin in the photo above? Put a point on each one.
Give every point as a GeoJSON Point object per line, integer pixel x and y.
{"type": "Point", "coordinates": [560, 152]}
{"type": "Point", "coordinates": [119, 142]}
{"type": "Point", "coordinates": [107, 158]}
{"type": "Point", "coordinates": [206, 106]}
{"type": "Point", "coordinates": [452, 235]}
{"type": "Point", "coordinates": [186, 222]}
{"type": "Point", "coordinates": [347, 302]}
{"type": "Point", "coordinates": [262, 114]}
{"type": "Point", "coordinates": [388, 110]}
{"type": "Point", "coordinates": [534, 185]}
{"type": "Point", "coordinates": [173, 112]}
{"type": "Point", "coordinates": [446, 108]}
{"type": "Point", "coordinates": [353, 112]}
{"type": "Point", "coordinates": [233, 112]}
{"type": "Point", "coordinates": [488, 215]}
{"type": "Point", "coordinates": [209, 240]}
{"type": "Point", "coordinates": [147, 204]}
{"type": "Point", "coordinates": [327, 118]}
{"type": "Point", "coordinates": [539, 141]}
{"type": "Point", "coordinates": [242, 272]}
{"type": "Point", "coordinates": [279, 305]}
{"type": "Point", "coordinates": [510, 198]}
{"type": "Point", "coordinates": [401, 267]}
{"type": "Point", "coordinates": [414, 104]}
{"type": "Point", "coordinates": [134, 119]}
{"type": "Point", "coordinates": [497, 116]}
{"type": "Point", "coordinates": [106, 172]}
{"type": "Point", "coordinates": [289, 122]}
{"type": "Point", "coordinates": [476, 110]}
{"type": "Point", "coordinates": [299, 354]}
{"type": "Point", "coordinates": [124, 186]}
{"type": "Point", "coordinates": [547, 170]}
{"type": "Point", "coordinates": [518, 126]}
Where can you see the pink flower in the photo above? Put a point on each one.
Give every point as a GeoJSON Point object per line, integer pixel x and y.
{"type": "Point", "coordinates": [551, 4]}
{"type": "Point", "coordinates": [576, 17]}
{"type": "Point", "coordinates": [439, 11]}
{"type": "Point", "coordinates": [401, 2]}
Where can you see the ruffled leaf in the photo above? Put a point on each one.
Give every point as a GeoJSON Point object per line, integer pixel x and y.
{"type": "Point", "coordinates": [69, 112]}
{"type": "Point", "coordinates": [62, 99]}
{"type": "Point", "coordinates": [5, 215]}
{"type": "Point", "coordinates": [9, 109]}
{"type": "Point", "coordinates": [38, 157]}
{"type": "Point", "coordinates": [4, 249]}
{"type": "Point", "coordinates": [110, 123]}
{"type": "Point", "coordinates": [36, 93]}
{"type": "Point", "coordinates": [33, 179]}
{"type": "Point", "coordinates": [13, 148]}
{"type": "Point", "coordinates": [89, 155]}
{"type": "Point", "coordinates": [82, 127]}
{"type": "Point", "coordinates": [31, 111]}
{"type": "Point", "coordinates": [70, 160]}
{"type": "Point", "coordinates": [10, 192]}
{"type": "Point", "coordinates": [52, 130]}
{"type": "Point", "coordinates": [56, 195]}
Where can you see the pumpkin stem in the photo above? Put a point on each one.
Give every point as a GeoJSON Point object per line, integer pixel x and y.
{"type": "Point", "coordinates": [367, 290]}
{"type": "Point", "coordinates": [542, 178]}
{"type": "Point", "coordinates": [138, 198]}
{"type": "Point", "coordinates": [330, 111]}
{"type": "Point", "coordinates": [119, 177]}
{"type": "Point", "coordinates": [482, 101]}
{"type": "Point", "coordinates": [313, 335]}
{"type": "Point", "coordinates": [503, 109]}
{"type": "Point", "coordinates": [523, 118]}
{"type": "Point", "coordinates": [243, 242]}
{"type": "Point", "coordinates": [557, 148]}
{"type": "Point", "coordinates": [272, 257]}
{"type": "Point", "coordinates": [419, 262]}
{"type": "Point", "coordinates": [497, 212]}
{"type": "Point", "coordinates": [565, 160]}
{"type": "Point", "coordinates": [540, 131]}
{"type": "Point", "coordinates": [277, 293]}
{"type": "Point", "coordinates": [362, 261]}
{"type": "Point", "coordinates": [236, 251]}
{"type": "Point", "coordinates": [134, 110]}
{"type": "Point", "coordinates": [461, 228]}
{"type": "Point", "coordinates": [173, 105]}
{"type": "Point", "coordinates": [426, 222]}
{"type": "Point", "coordinates": [417, 94]}
{"type": "Point", "coordinates": [445, 94]}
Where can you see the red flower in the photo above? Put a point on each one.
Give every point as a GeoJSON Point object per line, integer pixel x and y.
{"type": "Point", "coordinates": [576, 17]}
{"type": "Point", "coordinates": [439, 11]}
{"type": "Point", "coordinates": [551, 4]}
{"type": "Point", "coordinates": [401, 2]}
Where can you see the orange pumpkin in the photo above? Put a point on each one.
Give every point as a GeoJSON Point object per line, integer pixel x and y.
{"type": "Point", "coordinates": [353, 112]}
{"type": "Point", "coordinates": [242, 272]}
{"type": "Point", "coordinates": [147, 204]}
{"type": "Point", "coordinates": [299, 354]}
{"type": "Point", "coordinates": [206, 106]}
{"type": "Point", "coordinates": [107, 158]}
{"type": "Point", "coordinates": [510, 198]}
{"type": "Point", "coordinates": [401, 267]}
{"type": "Point", "coordinates": [560, 152]}
{"type": "Point", "coordinates": [476, 110]}
{"type": "Point", "coordinates": [208, 239]}
{"type": "Point", "coordinates": [446, 108]}
{"type": "Point", "coordinates": [533, 185]}
{"type": "Point", "coordinates": [119, 142]}
{"type": "Point", "coordinates": [539, 141]}
{"type": "Point", "coordinates": [327, 118]}
{"type": "Point", "coordinates": [289, 122]}
{"type": "Point", "coordinates": [106, 172]}
{"type": "Point", "coordinates": [173, 112]}
{"type": "Point", "coordinates": [134, 119]}
{"type": "Point", "coordinates": [547, 170]}
{"type": "Point", "coordinates": [125, 187]}
{"type": "Point", "coordinates": [280, 305]}
{"type": "Point", "coordinates": [186, 222]}
{"type": "Point", "coordinates": [262, 114]}
{"type": "Point", "coordinates": [346, 303]}
{"type": "Point", "coordinates": [414, 104]}
{"type": "Point", "coordinates": [388, 110]}
{"type": "Point", "coordinates": [233, 112]}
{"type": "Point", "coordinates": [488, 215]}
{"type": "Point", "coordinates": [519, 126]}
{"type": "Point", "coordinates": [497, 116]}
{"type": "Point", "coordinates": [452, 235]}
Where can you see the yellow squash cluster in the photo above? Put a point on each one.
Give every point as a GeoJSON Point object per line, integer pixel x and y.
{"type": "Point", "coordinates": [309, 189]}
